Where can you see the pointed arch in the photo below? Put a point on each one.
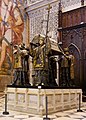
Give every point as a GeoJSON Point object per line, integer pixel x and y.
{"type": "Point", "coordinates": [76, 47]}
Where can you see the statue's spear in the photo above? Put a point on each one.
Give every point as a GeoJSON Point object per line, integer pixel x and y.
{"type": "Point", "coordinates": [49, 7]}
{"type": "Point", "coordinates": [46, 37]}
{"type": "Point", "coordinates": [46, 40]}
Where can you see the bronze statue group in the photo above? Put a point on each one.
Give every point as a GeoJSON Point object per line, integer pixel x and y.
{"type": "Point", "coordinates": [44, 65]}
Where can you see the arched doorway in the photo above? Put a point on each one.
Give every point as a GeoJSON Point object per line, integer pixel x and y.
{"type": "Point", "coordinates": [73, 49]}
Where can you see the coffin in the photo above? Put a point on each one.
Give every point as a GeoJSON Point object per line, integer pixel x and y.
{"type": "Point", "coordinates": [51, 44]}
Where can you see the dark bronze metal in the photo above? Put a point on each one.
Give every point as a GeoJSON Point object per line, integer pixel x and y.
{"type": "Point", "coordinates": [5, 112]}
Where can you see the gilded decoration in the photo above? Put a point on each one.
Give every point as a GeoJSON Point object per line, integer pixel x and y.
{"type": "Point", "coordinates": [38, 49]}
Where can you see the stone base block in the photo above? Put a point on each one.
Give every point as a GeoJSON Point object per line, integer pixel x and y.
{"type": "Point", "coordinates": [33, 100]}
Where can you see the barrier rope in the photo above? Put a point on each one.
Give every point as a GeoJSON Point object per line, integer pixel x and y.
{"type": "Point", "coordinates": [71, 101]}
{"type": "Point", "coordinates": [76, 99]}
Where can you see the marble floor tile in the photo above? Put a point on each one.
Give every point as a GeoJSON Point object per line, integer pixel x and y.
{"type": "Point", "coordinates": [7, 118]}
{"type": "Point", "coordinates": [76, 116]}
{"type": "Point", "coordinates": [21, 116]}
{"type": "Point", "coordinates": [63, 115]}
{"type": "Point", "coordinates": [34, 118]}
{"type": "Point", "coordinates": [64, 118]}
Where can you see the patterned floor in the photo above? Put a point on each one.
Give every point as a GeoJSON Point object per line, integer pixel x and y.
{"type": "Point", "coordinates": [65, 115]}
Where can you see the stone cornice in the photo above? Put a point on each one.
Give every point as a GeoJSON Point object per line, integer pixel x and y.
{"type": "Point", "coordinates": [39, 4]}
{"type": "Point", "coordinates": [42, 3]}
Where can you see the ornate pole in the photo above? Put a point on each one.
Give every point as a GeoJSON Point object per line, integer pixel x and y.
{"type": "Point", "coordinates": [46, 61]}
{"type": "Point", "coordinates": [46, 37]}
{"type": "Point", "coordinates": [60, 22]}
{"type": "Point", "coordinates": [49, 7]}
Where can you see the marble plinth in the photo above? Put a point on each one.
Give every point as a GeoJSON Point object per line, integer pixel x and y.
{"type": "Point", "coordinates": [33, 100]}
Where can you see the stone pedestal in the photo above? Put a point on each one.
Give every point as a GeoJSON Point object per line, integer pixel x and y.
{"type": "Point", "coordinates": [33, 100]}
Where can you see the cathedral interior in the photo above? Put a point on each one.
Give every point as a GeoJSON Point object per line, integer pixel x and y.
{"type": "Point", "coordinates": [48, 68]}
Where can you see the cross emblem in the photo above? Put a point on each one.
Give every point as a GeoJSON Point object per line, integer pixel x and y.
{"type": "Point", "coordinates": [49, 7]}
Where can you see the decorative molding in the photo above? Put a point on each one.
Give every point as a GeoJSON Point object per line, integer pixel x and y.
{"type": "Point", "coordinates": [38, 4]}
{"type": "Point", "coordinates": [38, 17]}
{"type": "Point", "coordinates": [68, 5]}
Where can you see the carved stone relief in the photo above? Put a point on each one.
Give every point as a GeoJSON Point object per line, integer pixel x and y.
{"type": "Point", "coordinates": [38, 15]}
{"type": "Point", "coordinates": [38, 20]}
{"type": "Point", "coordinates": [70, 4]}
